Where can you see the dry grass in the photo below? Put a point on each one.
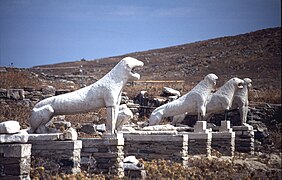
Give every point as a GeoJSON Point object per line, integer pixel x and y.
{"type": "Point", "coordinates": [215, 167]}
{"type": "Point", "coordinates": [18, 79]}
{"type": "Point", "coordinates": [16, 112]}
{"type": "Point", "coordinates": [268, 95]}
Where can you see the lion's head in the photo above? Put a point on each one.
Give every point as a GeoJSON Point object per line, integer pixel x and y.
{"type": "Point", "coordinates": [211, 78]}
{"type": "Point", "coordinates": [130, 64]}
{"type": "Point", "coordinates": [238, 82]}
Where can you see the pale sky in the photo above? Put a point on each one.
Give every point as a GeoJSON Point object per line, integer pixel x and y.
{"type": "Point", "coordinates": [39, 32]}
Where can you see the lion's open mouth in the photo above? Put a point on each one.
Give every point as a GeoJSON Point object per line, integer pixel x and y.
{"type": "Point", "coordinates": [240, 85]}
{"type": "Point", "coordinates": [134, 70]}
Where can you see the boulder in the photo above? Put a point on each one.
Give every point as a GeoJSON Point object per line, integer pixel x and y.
{"type": "Point", "coordinates": [9, 127]}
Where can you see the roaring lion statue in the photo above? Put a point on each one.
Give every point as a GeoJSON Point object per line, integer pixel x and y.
{"type": "Point", "coordinates": [192, 102]}
{"type": "Point", "coordinates": [106, 92]}
{"type": "Point", "coordinates": [222, 99]}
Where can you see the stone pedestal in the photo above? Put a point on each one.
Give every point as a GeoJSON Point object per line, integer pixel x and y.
{"type": "Point", "coordinates": [103, 155]}
{"type": "Point", "coordinates": [223, 141]}
{"type": "Point", "coordinates": [200, 140]}
{"type": "Point", "coordinates": [15, 161]}
{"type": "Point", "coordinates": [157, 146]}
{"type": "Point", "coordinates": [56, 156]}
{"type": "Point", "coordinates": [244, 138]}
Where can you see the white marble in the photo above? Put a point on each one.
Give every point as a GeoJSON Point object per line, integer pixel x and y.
{"type": "Point", "coordinates": [165, 127]}
{"type": "Point", "coordinates": [21, 137]}
{"type": "Point", "coordinates": [171, 91]}
{"type": "Point", "coordinates": [9, 127]}
{"type": "Point", "coordinates": [106, 92]}
{"type": "Point", "coordinates": [192, 102]}
{"type": "Point", "coordinates": [124, 115]}
{"type": "Point", "coordinates": [222, 99]}
{"type": "Point", "coordinates": [45, 137]}
{"type": "Point", "coordinates": [241, 101]}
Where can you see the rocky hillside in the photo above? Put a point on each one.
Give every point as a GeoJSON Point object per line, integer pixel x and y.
{"type": "Point", "coordinates": [256, 55]}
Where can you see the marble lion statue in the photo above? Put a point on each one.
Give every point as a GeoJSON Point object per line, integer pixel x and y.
{"type": "Point", "coordinates": [106, 92]}
{"type": "Point", "coordinates": [222, 99]}
{"type": "Point", "coordinates": [192, 102]}
{"type": "Point", "coordinates": [241, 101]}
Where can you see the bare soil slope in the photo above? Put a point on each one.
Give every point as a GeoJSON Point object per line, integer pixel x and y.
{"type": "Point", "coordinates": [256, 55]}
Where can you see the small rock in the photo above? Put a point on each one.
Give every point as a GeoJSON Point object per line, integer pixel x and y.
{"type": "Point", "coordinates": [62, 124]}
{"type": "Point", "coordinates": [101, 127]}
{"type": "Point", "coordinates": [69, 134]}
{"type": "Point", "coordinates": [131, 159]}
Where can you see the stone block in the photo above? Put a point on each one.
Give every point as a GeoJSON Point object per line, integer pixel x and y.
{"type": "Point", "coordinates": [244, 138]}
{"type": "Point", "coordinates": [64, 155]}
{"type": "Point", "coordinates": [15, 150]}
{"type": "Point", "coordinates": [106, 154]}
{"type": "Point", "coordinates": [223, 142]}
{"type": "Point", "coordinates": [205, 135]}
{"type": "Point", "coordinates": [201, 127]}
{"type": "Point", "coordinates": [156, 146]}
{"type": "Point", "coordinates": [225, 126]}
{"type": "Point", "coordinates": [56, 145]}
{"type": "Point", "coordinates": [156, 138]}
{"type": "Point", "coordinates": [243, 128]}
{"type": "Point", "coordinates": [13, 138]}
{"type": "Point", "coordinates": [15, 161]}
{"type": "Point", "coordinates": [223, 135]}
{"type": "Point", "coordinates": [44, 137]}
{"type": "Point", "coordinates": [9, 127]}
{"type": "Point", "coordinates": [199, 143]}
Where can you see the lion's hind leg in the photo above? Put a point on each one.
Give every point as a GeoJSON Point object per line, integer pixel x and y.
{"type": "Point", "coordinates": [39, 118]}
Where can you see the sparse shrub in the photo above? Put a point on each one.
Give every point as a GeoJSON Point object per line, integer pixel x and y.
{"type": "Point", "coordinates": [18, 79]}
{"type": "Point", "coordinates": [17, 112]}
{"type": "Point", "coordinates": [268, 95]}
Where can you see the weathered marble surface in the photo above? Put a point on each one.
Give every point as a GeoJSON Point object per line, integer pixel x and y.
{"type": "Point", "coordinates": [222, 99]}
{"type": "Point", "coordinates": [106, 92]}
{"type": "Point", "coordinates": [192, 102]}
{"type": "Point", "coordinates": [241, 101]}
{"type": "Point", "coordinates": [21, 137]}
